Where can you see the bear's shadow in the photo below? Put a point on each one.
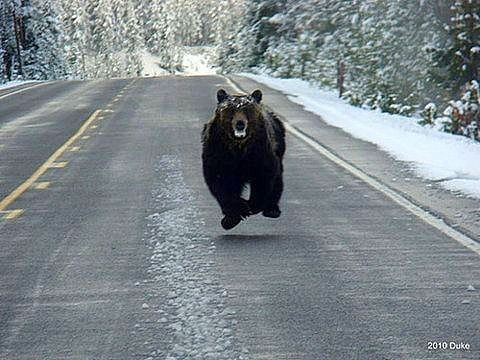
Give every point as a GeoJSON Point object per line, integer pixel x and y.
{"type": "Point", "coordinates": [239, 238]}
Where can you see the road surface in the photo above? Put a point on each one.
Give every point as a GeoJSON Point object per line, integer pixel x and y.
{"type": "Point", "coordinates": [112, 246]}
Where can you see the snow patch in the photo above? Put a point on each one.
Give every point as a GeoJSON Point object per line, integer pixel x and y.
{"type": "Point", "coordinates": [196, 61]}
{"type": "Point", "coordinates": [151, 65]}
{"type": "Point", "coordinates": [451, 160]}
{"type": "Point", "coordinates": [193, 308]}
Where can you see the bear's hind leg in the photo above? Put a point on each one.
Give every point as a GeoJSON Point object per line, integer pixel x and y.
{"type": "Point", "coordinates": [260, 190]}
{"type": "Point", "coordinates": [272, 210]}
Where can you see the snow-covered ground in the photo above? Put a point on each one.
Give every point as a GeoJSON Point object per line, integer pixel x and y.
{"type": "Point", "coordinates": [151, 65]}
{"type": "Point", "coordinates": [451, 160]}
{"type": "Point", "coordinates": [196, 61]}
{"type": "Point", "coordinates": [196, 65]}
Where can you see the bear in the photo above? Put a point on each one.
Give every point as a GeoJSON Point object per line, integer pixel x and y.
{"type": "Point", "coordinates": [244, 143]}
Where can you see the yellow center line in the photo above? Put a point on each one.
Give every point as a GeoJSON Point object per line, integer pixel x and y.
{"type": "Point", "coordinates": [42, 185]}
{"type": "Point", "coordinates": [58, 165]}
{"type": "Point", "coordinates": [13, 214]}
{"type": "Point", "coordinates": [10, 198]}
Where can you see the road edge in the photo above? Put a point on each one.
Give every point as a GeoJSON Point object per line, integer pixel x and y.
{"type": "Point", "coordinates": [29, 86]}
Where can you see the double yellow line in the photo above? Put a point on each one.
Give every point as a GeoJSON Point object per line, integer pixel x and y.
{"type": "Point", "coordinates": [15, 194]}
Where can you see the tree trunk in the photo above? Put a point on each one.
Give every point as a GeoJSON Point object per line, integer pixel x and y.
{"type": "Point", "coordinates": [340, 77]}
{"type": "Point", "coordinates": [18, 40]}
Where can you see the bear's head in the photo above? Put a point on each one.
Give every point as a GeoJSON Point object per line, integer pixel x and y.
{"type": "Point", "coordinates": [239, 115]}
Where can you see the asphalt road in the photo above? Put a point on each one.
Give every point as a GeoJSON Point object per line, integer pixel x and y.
{"type": "Point", "coordinates": [116, 249]}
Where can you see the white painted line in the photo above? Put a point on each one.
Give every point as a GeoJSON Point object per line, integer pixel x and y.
{"type": "Point", "coordinates": [430, 219]}
{"type": "Point", "coordinates": [24, 89]}
{"type": "Point", "coordinates": [425, 216]}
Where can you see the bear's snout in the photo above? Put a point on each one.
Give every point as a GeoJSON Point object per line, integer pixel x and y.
{"type": "Point", "coordinates": [240, 125]}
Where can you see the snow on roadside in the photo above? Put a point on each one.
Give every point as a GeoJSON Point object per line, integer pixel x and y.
{"type": "Point", "coordinates": [182, 262]}
{"type": "Point", "coordinates": [14, 83]}
{"type": "Point", "coordinates": [451, 160]}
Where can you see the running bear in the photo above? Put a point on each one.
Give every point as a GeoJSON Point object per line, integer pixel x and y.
{"type": "Point", "coordinates": [244, 144]}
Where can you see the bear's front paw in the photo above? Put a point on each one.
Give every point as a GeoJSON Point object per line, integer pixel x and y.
{"type": "Point", "coordinates": [272, 213]}
{"type": "Point", "coordinates": [238, 208]}
{"type": "Point", "coordinates": [230, 222]}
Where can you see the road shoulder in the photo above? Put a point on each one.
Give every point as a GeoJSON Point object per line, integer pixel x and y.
{"type": "Point", "coordinates": [455, 209]}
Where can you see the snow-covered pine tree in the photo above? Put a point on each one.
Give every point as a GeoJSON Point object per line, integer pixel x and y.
{"type": "Point", "coordinates": [460, 58]}
{"type": "Point", "coordinates": [258, 32]}
{"type": "Point", "coordinates": [7, 41]}
{"type": "Point", "coordinates": [12, 40]}
{"type": "Point", "coordinates": [43, 53]}
{"type": "Point", "coordinates": [291, 51]}
{"type": "Point", "coordinates": [128, 37]}
{"type": "Point", "coordinates": [154, 31]}
{"type": "Point", "coordinates": [338, 40]}
{"type": "Point", "coordinates": [101, 61]}
{"type": "Point", "coordinates": [227, 20]}
{"type": "Point", "coordinates": [76, 30]}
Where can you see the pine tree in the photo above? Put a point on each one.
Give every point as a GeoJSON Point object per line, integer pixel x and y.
{"type": "Point", "coordinates": [76, 30]}
{"type": "Point", "coordinates": [129, 37]}
{"type": "Point", "coordinates": [12, 40]}
{"type": "Point", "coordinates": [43, 54]}
{"type": "Point", "coordinates": [461, 56]}
{"type": "Point", "coordinates": [7, 41]}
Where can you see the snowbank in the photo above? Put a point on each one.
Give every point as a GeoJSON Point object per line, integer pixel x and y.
{"type": "Point", "coordinates": [451, 160]}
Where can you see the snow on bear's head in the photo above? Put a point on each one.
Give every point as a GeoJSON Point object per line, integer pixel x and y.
{"type": "Point", "coordinates": [239, 114]}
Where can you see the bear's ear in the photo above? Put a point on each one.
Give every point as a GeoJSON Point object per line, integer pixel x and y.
{"type": "Point", "coordinates": [221, 95]}
{"type": "Point", "coordinates": [257, 96]}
